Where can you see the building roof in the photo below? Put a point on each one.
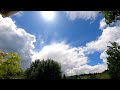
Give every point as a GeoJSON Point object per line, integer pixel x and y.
{"type": "Point", "coordinates": [7, 13]}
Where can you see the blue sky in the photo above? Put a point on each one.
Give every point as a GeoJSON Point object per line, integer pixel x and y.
{"type": "Point", "coordinates": [76, 39]}
{"type": "Point", "coordinates": [76, 33]}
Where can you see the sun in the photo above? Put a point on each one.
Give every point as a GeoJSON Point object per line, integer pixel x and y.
{"type": "Point", "coordinates": [48, 15]}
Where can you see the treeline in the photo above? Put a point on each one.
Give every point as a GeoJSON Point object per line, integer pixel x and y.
{"type": "Point", "coordinates": [103, 75]}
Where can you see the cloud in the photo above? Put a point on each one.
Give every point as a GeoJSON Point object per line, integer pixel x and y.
{"type": "Point", "coordinates": [103, 24]}
{"type": "Point", "coordinates": [63, 53]}
{"type": "Point", "coordinates": [14, 39]}
{"type": "Point", "coordinates": [86, 69]}
{"type": "Point", "coordinates": [73, 60]}
{"type": "Point", "coordinates": [86, 15]}
{"type": "Point", "coordinates": [104, 56]}
{"type": "Point", "coordinates": [109, 34]}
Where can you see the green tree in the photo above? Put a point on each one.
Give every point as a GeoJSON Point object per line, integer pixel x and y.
{"type": "Point", "coordinates": [113, 60]}
{"type": "Point", "coordinates": [30, 72]}
{"type": "Point", "coordinates": [111, 16]}
{"type": "Point", "coordinates": [48, 70]}
{"type": "Point", "coordinates": [9, 65]}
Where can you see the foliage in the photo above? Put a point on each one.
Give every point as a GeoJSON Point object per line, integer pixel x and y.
{"type": "Point", "coordinates": [114, 60]}
{"type": "Point", "coordinates": [48, 70]}
{"type": "Point", "coordinates": [9, 65]}
{"type": "Point", "coordinates": [111, 16]}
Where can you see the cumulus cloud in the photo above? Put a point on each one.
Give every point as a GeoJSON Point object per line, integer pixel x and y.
{"type": "Point", "coordinates": [86, 15]}
{"type": "Point", "coordinates": [104, 56]}
{"type": "Point", "coordinates": [86, 69]}
{"type": "Point", "coordinates": [73, 60]}
{"type": "Point", "coordinates": [14, 39]}
{"type": "Point", "coordinates": [67, 56]}
{"type": "Point", "coordinates": [109, 34]}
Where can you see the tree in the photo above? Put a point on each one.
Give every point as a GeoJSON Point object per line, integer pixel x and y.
{"type": "Point", "coordinates": [111, 16]}
{"type": "Point", "coordinates": [93, 76]}
{"type": "Point", "coordinates": [113, 60]}
{"type": "Point", "coordinates": [48, 70]}
{"type": "Point", "coordinates": [30, 72]}
{"type": "Point", "coordinates": [64, 77]}
{"type": "Point", "coordinates": [9, 65]}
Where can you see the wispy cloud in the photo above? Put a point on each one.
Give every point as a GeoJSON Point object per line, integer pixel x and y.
{"type": "Point", "coordinates": [18, 14]}
{"type": "Point", "coordinates": [86, 15]}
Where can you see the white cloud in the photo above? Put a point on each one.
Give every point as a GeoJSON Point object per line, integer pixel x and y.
{"type": "Point", "coordinates": [103, 24]}
{"type": "Point", "coordinates": [104, 56]}
{"type": "Point", "coordinates": [86, 15]}
{"type": "Point", "coordinates": [86, 69]}
{"type": "Point", "coordinates": [109, 34]}
{"type": "Point", "coordinates": [73, 60]}
{"type": "Point", "coordinates": [14, 39]}
{"type": "Point", "coordinates": [63, 53]}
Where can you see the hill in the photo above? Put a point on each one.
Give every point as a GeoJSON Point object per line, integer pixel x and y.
{"type": "Point", "coordinates": [103, 75]}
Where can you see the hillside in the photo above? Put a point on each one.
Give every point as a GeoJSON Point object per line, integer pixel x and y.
{"type": "Point", "coordinates": [103, 75]}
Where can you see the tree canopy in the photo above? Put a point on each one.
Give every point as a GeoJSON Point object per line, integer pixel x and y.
{"type": "Point", "coordinates": [113, 60]}
{"type": "Point", "coordinates": [111, 16]}
{"type": "Point", "coordinates": [9, 65]}
{"type": "Point", "coordinates": [48, 70]}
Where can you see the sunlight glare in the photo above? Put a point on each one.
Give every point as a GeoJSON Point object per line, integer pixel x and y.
{"type": "Point", "coordinates": [48, 15]}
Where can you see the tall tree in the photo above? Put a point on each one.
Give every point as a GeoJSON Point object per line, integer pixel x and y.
{"type": "Point", "coordinates": [48, 70]}
{"type": "Point", "coordinates": [113, 60]}
{"type": "Point", "coordinates": [64, 77]}
{"type": "Point", "coordinates": [111, 16]}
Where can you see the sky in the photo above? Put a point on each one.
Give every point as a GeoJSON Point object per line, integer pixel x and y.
{"type": "Point", "coordinates": [78, 40]}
